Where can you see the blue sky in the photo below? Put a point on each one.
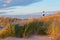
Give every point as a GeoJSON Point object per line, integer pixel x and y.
{"type": "Point", "coordinates": [21, 7]}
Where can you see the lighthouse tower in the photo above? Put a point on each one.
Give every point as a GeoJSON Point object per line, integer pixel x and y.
{"type": "Point", "coordinates": [43, 13]}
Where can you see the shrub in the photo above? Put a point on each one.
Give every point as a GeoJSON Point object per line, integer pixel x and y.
{"type": "Point", "coordinates": [19, 31]}
{"type": "Point", "coordinates": [34, 28]}
{"type": "Point", "coordinates": [29, 29]}
{"type": "Point", "coordinates": [41, 28]}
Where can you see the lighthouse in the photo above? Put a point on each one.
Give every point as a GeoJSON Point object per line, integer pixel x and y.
{"type": "Point", "coordinates": [43, 13]}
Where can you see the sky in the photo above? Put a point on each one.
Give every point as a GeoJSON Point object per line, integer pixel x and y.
{"type": "Point", "coordinates": [22, 7]}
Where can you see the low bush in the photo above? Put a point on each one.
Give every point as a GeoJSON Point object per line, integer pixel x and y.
{"type": "Point", "coordinates": [34, 28]}
{"type": "Point", "coordinates": [19, 31]}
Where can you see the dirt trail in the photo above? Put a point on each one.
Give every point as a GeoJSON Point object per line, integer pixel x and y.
{"type": "Point", "coordinates": [35, 37]}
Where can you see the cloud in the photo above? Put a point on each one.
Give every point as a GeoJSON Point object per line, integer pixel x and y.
{"type": "Point", "coordinates": [2, 12]}
{"type": "Point", "coordinates": [18, 7]}
{"type": "Point", "coordinates": [8, 1]}
{"type": "Point", "coordinates": [24, 2]}
{"type": "Point", "coordinates": [17, 10]}
{"type": "Point", "coordinates": [4, 5]}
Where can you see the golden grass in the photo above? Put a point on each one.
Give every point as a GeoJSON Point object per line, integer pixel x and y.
{"type": "Point", "coordinates": [44, 25]}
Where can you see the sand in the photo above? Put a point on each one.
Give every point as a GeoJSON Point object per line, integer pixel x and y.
{"type": "Point", "coordinates": [35, 37]}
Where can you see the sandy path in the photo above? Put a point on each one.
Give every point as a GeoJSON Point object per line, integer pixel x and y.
{"type": "Point", "coordinates": [35, 37]}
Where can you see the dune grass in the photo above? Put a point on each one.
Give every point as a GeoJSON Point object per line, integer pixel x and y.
{"type": "Point", "coordinates": [23, 31]}
{"type": "Point", "coordinates": [57, 38]}
{"type": "Point", "coordinates": [43, 26]}
{"type": "Point", "coordinates": [7, 31]}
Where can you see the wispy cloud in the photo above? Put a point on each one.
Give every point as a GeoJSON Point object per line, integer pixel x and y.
{"type": "Point", "coordinates": [6, 2]}
{"type": "Point", "coordinates": [24, 2]}
{"type": "Point", "coordinates": [2, 12]}
{"type": "Point", "coordinates": [4, 5]}
{"type": "Point", "coordinates": [18, 10]}
{"type": "Point", "coordinates": [10, 3]}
